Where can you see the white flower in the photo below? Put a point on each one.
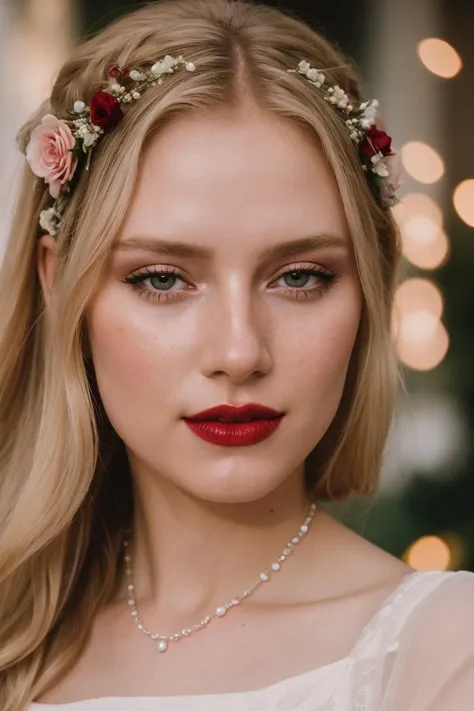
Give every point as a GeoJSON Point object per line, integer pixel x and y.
{"type": "Point", "coordinates": [304, 66]}
{"type": "Point", "coordinates": [366, 123]}
{"type": "Point", "coordinates": [164, 66]}
{"type": "Point", "coordinates": [115, 87]}
{"type": "Point", "coordinates": [90, 139]}
{"type": "Point", "coordinates": [190, 66]}
{"type": "Point", "coordinates": [136, 94]}
{"type": "Point", "coordinates": [370, 112]}
{"type": "Point", "coordinates": [137, 76]}
{"type": "Point", "coordinates": [312, 74]}
{"type": "Point", "coordinates": [49, 221]}
{"type": "Point", "coordinates": [79, 107]}
{"type": "Point", "coordinates": [339, 97]}
{"type": "Point", "coordinates": [379, 166]}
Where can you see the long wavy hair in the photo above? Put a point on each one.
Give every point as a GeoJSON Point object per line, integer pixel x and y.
{"type": "Point", "coordinates": [65, 487]}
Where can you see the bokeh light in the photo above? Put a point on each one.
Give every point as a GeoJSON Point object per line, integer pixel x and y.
{"type": "Point", "coordinates": [421, 340]}
{"type": "Point", "coordinates": [418, 294]}
{"type": "Point", "coordinates": [463, 199]}
{"type": "Point", "coordinates": [422, 162]}
{"type": "Point", "coordinates": [424, 242]}
{"type": "Point", "coordinates": [439, 57]}
{"type": "Point", "coordinates": [428, 553]}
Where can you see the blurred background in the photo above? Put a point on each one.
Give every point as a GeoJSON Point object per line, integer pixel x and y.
{"type": "Point", "coordinates": [417, 58]}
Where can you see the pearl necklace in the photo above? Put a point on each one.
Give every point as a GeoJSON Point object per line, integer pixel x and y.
{"type": "Point", "coordinates": [162, 644]}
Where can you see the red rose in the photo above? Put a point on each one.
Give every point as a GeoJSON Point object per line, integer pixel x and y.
{"type": "Point", "coordinates": [376, 142]}
{"type": "Point", "coordinates": [114, 71]}
{"type": "Point", "coordinates": [105, 110]}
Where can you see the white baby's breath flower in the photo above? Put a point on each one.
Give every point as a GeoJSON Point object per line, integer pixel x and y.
{"type": "Point", "coordinates": [136, 94]}
{"type": "Point", "coordinates": [304, 66]}
{"type": "Point", "coordinates": [49, 221]}
{"type": "Point", "coordinates": [79, 107]}
{"type": "Point", "coordinates": [312, 74]}
{"type": "Point", "coordinates": [115, 87]}
{"type": "Point", "coordinates": [190, 66]}
{"type": "Point", "coordinates": [339, 97]}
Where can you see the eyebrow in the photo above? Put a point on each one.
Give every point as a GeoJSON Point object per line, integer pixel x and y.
{"type": "Point", "coordinates": [281, 250]}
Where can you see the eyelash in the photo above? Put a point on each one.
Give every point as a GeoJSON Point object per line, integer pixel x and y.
{"type": "Point", "coordinates": [136, 281]}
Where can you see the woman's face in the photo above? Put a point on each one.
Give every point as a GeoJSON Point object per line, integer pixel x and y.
{"type": "Point", "coordinates": [231, 320]}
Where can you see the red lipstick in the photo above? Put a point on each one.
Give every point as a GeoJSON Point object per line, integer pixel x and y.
{"type": "Point", "coordinates": [235, 425]}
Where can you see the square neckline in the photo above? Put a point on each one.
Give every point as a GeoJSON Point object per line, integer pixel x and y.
{"type": "Point", "coordinates": [261, 691]}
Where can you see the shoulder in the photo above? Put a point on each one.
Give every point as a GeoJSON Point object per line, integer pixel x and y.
{"type": "Point", "coordinates": [434, 652]}
{"type": "Point", "coordinates": [441, 602]}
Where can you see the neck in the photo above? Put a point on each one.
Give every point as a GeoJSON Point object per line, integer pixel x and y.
{"type": "Point", "coordinates": [188, 555]}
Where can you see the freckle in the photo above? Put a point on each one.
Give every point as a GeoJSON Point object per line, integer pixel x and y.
{"type": "Point", "coordinates": [272, 510]}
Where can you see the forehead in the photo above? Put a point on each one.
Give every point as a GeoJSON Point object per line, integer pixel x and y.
{"type": "Point", "coordinates": [239, 175]}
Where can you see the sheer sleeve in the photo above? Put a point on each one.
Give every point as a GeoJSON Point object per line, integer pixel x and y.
{"type": "Point", "coordinates": [432, 668]}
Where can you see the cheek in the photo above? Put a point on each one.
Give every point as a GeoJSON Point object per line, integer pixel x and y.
{"type": "Point", "coordinates": [135, 360]}
{"type": "Point", "coordinates": [319, 349]}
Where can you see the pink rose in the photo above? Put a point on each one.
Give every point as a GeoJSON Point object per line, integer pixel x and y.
{"type": "Point", "coordinates": [393, 180]}
{"type": "Point", "coordinates": [48, 153]}
{"type": "Point", "coordinates": [393, 165]}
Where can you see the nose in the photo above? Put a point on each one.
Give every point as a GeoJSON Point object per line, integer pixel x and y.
{"type": "Point", "coordinates": [235, 336]}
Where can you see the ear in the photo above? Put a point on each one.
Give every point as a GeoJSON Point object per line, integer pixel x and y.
{"type": "Point", "coordinates": [46, 265]}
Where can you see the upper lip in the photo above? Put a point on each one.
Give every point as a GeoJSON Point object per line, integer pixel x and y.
{"type": "Point", "coordinates": [235, 413]}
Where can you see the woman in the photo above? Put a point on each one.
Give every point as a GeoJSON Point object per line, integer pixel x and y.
{"type": "Point", "coordinates": [204, 233]}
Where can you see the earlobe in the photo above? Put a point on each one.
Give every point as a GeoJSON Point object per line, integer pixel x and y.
{"type": "Point", "coordinates": [46, 265]}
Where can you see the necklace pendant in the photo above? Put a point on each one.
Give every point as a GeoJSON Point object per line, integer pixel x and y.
{"type": "Point", "coordinates": [162, 645]}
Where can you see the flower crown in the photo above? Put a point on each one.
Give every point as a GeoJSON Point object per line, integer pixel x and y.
{"type": "Point", "coordinates": [60, 147]}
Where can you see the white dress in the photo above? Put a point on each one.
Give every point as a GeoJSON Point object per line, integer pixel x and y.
{"type": "Point", "coordinates": [416, 654]}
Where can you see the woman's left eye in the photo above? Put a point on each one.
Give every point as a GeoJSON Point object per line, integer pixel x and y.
{"type": "Point", "coordinates": [162, 280]}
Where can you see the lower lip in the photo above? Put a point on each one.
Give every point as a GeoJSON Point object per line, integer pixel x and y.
{"type": "Point", "coordinates": [232, 434]}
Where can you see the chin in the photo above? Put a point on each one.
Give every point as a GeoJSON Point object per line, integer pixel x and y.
{"type": "Point", "coordinates": [233, 486]}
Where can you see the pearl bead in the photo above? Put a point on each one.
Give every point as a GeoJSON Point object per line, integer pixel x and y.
{"type": "Point", "coordinates": [220, 611]}
{"type": "Point", "coordinates": [276, 566]}
{"type": "Point", "coordinates": [264, 577]}
{"type": "Point", "coordinates": [295, 540]}
{"type": "Point", "coordinates": [162, 645]}
{"type": "Point", "coordinates": [304, 528]}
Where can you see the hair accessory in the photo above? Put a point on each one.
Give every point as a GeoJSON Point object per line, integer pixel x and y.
{"type": "Point", "coordinates": [163, 639]}
{"type": "Point", "coordinates": [378, 159]}
{"type": "Point", "coordinates": [58, 148]}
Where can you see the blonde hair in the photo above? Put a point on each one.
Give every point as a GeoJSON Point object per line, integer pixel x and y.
{"type": "Point", "coordinates": [65, 491]}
